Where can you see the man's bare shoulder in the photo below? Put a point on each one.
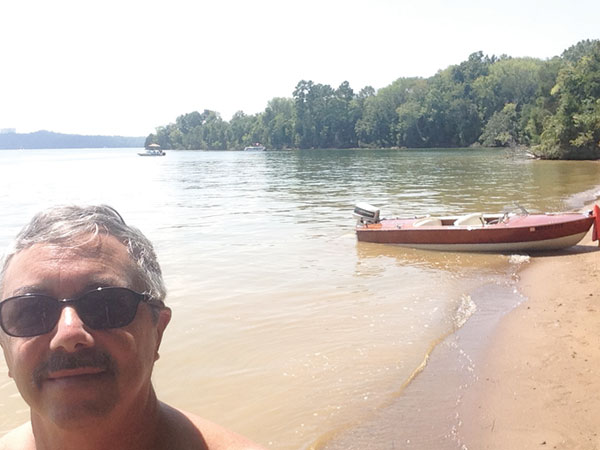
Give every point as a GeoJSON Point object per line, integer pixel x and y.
{"type": "Point", "coordinates": [181, 430]}
{"type": "Point", "coordinates": [215, 436]}
{"type": "Point", "coordinates": [21, 438]}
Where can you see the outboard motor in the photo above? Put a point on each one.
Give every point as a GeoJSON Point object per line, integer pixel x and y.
{"type": "Point", "coordinates": [366, 213]}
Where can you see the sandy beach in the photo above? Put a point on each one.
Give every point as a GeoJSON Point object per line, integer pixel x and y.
{"type": "Point", "coordinates": [515, 377]}
{"type": "Point", "coordinates": [539, 384]}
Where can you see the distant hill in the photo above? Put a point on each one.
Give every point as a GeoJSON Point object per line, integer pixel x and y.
{"type": "Point", "coordinates": [49, 139]}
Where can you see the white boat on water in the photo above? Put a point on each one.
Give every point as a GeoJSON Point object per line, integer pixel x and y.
{"type": "Point", "coordinates": [255, 148]}
{"type": "Point", "coordinates": [152, 150]}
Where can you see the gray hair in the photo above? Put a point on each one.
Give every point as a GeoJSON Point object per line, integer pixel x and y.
{"type": "Point", "coordinates": [66, 225]}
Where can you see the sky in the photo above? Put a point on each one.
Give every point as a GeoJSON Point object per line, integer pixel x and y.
{"type": "Point", "coordinates": [126, 67]}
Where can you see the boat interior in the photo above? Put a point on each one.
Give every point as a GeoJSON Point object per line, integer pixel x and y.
{"type": "Point", "coordinates": [468, 220]}
{"type": "Point", "coordinates": [367, 214]}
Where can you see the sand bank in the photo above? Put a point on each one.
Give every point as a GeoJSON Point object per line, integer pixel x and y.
{"type": "Point", "coordinates": [513, 377]}
{"type": "Point", "coordinates": [539, 383]}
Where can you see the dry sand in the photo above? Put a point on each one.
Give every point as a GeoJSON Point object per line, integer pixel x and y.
{"type": "Point", "coordinates": [539, 385]}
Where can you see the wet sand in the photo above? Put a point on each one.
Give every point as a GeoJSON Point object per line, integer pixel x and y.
{"type": "Point", "coordinates": [539, 383]}
{"type": "Point", "coordinates": [520, 374]}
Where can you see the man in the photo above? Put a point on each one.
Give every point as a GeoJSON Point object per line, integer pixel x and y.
{"type": "Point", "coordinates": [82, 317]}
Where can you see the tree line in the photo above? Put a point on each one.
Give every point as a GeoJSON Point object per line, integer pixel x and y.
{"type": "Point", "coordinates": [551, 106]}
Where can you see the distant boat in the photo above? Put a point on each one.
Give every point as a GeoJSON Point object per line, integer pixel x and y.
{"type": "Point", "coordinates": [255, 148]}
{"type": "Point", "coordinates": [152, 150]}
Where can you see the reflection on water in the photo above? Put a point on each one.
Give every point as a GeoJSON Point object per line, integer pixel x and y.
{"type": "Point", "coordinates": [285, 328]}
{"type": "Point", "coordinates": [456, 263]}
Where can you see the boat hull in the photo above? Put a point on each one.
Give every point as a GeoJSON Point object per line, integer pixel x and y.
{"type": "Point", "coordinates": [255, 148]}
{"type": "Point", "coordinates": [151, 154]}
{"type": "Point", "coordinates": [536, 232]}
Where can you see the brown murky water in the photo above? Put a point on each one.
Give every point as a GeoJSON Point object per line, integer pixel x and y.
{"type": "Point", "coordinates": [285, 328]}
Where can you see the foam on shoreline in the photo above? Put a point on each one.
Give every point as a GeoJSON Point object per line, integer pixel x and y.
{"type": "Point", "coordinates": [426, 414]}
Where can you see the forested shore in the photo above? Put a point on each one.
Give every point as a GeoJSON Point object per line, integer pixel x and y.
{"type": "Point", "coordinates": [551, 106]}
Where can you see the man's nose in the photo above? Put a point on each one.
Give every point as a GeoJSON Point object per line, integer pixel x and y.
{"type": "Point", "coordinates": [70, 332]}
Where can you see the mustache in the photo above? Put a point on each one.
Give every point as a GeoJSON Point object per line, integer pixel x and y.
{"type": "Point", "coordinates": [66, 361]}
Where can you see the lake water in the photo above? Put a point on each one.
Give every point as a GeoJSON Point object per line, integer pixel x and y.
{"type": "Point", "coordinates": [285, 328]}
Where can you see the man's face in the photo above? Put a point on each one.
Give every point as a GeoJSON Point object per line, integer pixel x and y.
{"type": "Point", "coordinates": [113, 367]}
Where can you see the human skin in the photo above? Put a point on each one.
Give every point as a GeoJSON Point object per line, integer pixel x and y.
{"type": "Point", "coordinates": [109, 401]}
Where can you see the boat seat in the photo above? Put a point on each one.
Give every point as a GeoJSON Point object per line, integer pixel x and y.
{"type": "Point", "coordinates": [471, 220]}
{"type": "Point", "coordinates": [428, 222]}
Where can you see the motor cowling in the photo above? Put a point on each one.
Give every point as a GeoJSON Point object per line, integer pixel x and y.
{"type": "Point", "coordinates": [365, 213]}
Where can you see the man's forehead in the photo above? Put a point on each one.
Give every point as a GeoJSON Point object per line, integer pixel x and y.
{"type": "Point", "coordinates": [97, 261]}
{"type": "Point", "coordinates": [90, 245]}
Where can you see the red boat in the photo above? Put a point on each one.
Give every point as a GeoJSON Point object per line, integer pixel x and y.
{"type": "Point", "coordinates": [508, 232]}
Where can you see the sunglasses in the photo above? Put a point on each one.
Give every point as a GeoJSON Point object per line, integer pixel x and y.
{"type": "Point", "coordinates": [102, 308]}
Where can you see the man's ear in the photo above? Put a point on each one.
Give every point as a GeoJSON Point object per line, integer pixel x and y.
{"type": "Point", "coordinates": [164, 317]}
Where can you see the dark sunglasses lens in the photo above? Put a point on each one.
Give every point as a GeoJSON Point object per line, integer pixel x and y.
{"type": "Point", "coordinates": [108, 308]}
{"type": "Point", "coordinates": [29, 315]}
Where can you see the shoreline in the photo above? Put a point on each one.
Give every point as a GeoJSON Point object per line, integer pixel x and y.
{"type": "Point", "coordinates": [537, 385]}
{"type": "Point", "coordinates": [520, 373]}
{"type": "Point", "coordinates": [428, 411]}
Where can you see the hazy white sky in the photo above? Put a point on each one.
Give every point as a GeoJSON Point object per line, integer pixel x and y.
{"type": "Point", "coordinates": [125, 67]}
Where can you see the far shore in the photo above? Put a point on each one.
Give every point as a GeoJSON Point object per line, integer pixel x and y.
{"type": "Point", "coordinates": [539, 382]}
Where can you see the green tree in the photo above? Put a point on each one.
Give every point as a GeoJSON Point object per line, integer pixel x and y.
{"type": "Point", "coordinates": [303, 119]}
{"type": "Point", "coordinates": [344, 116]}
{"type": "Point", "coordinates": [574, 53]}
{"type": "Point", "coordinates": [510, 80]}
{"type": "Point", "coordinates": [240, 125]}
{"type": "Point", "coordinates": [502, 128]}
{"type": "Point", "coordinates": [449, 117]}
{"type": "Point", "coordinates": [188, 122]}
{"type": "Point", "coordinates": [278, 120]}
{"type": "Point", "coordinates": [534, 114]}
{"type": "Point", "coordinates": [573, 132]}
{"type": "Point", "coordinates": [412, 118]}
{"type": "Point", "coordinates": [378, 125]}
